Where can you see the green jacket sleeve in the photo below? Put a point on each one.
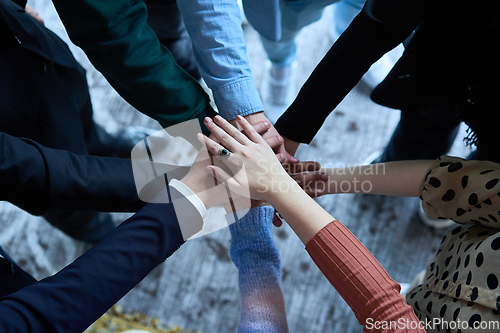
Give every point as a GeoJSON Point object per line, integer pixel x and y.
{"type": "Point", "coordinates": [119, 43]}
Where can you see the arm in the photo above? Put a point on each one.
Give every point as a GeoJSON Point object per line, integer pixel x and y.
{"type": "Point", "coordinates": [401, 178]}
{"type": "Point", "coordinates": [220, 52]}
{"type": "Point", "coordinates": [381, 26]}
{"type": "Point", "coordinates": [352, 270]}
{"type": "Point", "coordinates": [119, 43]}
{"type": "Point", "coordinates": [254, 253]}
{"type": "Point", "coordinates": [259, 269]}
{"type": "Point", "coordinates": [361, 281]}
{"type": "Point", "coordinates": [37, 178]}
{"type": "Point", "coordinates": [79, 294]}
{"type": "Point", "coordinates": [465, 191]}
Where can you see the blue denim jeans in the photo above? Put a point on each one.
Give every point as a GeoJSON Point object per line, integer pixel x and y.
{"type": "Point", "coordinates": [298, 14]}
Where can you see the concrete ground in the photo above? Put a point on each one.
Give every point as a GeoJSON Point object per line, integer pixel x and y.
{"type": "Point", "coordinates": [197, 287]}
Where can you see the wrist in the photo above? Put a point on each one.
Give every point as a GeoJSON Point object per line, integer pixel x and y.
{"type": "Point", "coordinates": [291, 146]}
{"type": "Point", "coordinates": [280, 188]}
{"type": "Point", "coordinates": [199, 192]}
{"type": "Point", "coordinates": [257, 114]}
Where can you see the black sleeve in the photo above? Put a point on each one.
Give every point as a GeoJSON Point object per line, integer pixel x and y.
{"type": "Point", "coordinates": [36, 178]}
{"type": "Point", "coordinates": [78, 295]}
{"type": "Point", "coordinates": [380, 27]}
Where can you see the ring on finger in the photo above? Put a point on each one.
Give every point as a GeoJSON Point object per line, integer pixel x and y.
{"type": "Point", "coordinates": [223, 153]}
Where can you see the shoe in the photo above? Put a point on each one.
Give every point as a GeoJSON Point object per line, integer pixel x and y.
{"type": "Point", "coordinates": [244, 20]}
{"type": "Point", "coordinates": [278, 89]}
{"type": "Point", "coordinates": [433, 223]}
{"type": "Point", "coordinates": [373, 158]}
{"type": "Point", "coordinates": [378, 71]}
{"type": "Point", "coordinates": [417, 280]}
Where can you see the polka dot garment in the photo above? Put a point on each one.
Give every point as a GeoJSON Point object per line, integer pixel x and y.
{"type": "Point", "coordinates": [461, 285]}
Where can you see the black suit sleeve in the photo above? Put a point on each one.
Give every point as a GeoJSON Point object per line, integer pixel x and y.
{"type": "Point", "coordinates": [36, 178]}
{"type": "Point", "coordinates": [78, 295]}
{"type": "Point", "coordinates": [380, 27]}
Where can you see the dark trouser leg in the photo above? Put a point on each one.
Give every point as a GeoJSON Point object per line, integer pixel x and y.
{"type": "Point", "coordinates": [165, 19]}
{"type": "Point", "coordinates": [417, 137]}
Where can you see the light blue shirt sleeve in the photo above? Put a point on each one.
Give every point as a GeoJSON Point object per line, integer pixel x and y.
{"type": "Point", "coordinates": [220, 52]}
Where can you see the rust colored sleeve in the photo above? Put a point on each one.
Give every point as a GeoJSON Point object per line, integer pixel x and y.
{"type": "Point", "coordinates": [361, 281]}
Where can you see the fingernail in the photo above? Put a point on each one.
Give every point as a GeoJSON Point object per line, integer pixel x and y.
{"type": "Point", "coordinates": [239, 117]}
{"type": "Point", "coordinates": [218, 119]}
{"type": "Point", "coordinates": [324, 176]}
{"type": "Point", "coordinates": [267, 124]}
{"type": "Point", "coordinates": [208, 120]}
{"type": "Point", "coordinates": [282, 157]}
{"type": "Point", "coordinates": [280, 138]}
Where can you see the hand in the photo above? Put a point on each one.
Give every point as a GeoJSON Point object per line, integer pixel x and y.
{"type": "Point", "coordinates": [253, 164]}
{"type": "Point", "coordinates": [260, 127]}
{"type": "Point", "coordinates": [298, 168]}
{"type": "Point", "coordinates": [314, 183]}
{"type": "Point", "coordinates": [269, 137]}
{"type": "Point", "coordinates": [207, 188]}
{"type": "Point", "coordinates": [34, 14]}
{"type": "Point", "coordinates": [284, 149]}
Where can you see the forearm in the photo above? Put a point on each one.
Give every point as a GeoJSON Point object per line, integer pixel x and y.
{"type": "Point", "coordinates": [291, 146]}
{"type": "Point", "coordinates": [79, 294]}
{"type": "Point", "coordinates": [299, 210]}
{"type": "Point", "coordinates": [254, 253]}
{"type": "Point", "coordinates": [37, 178]}
{"type": "Point", "coordinates": [361, 281]}
{"type": "Point", "coordinates": [381, 26]}
{"type": "Point", "coordinates": [120, 44]}
{"type": "Point", "coordinates": [220, 52]}
{"type": "Point", "coordinates": [401, 178]}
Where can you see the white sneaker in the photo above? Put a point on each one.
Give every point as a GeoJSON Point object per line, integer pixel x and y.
{"type": "Point", "coordinates": [378, 71]}
{"type": "Point", "coordinates": [373, 158]}
{"type": "Point", "coordinates": [417, 280]}
{"type": "Point", "coordinates": [244, 20]}
{"type": "Point", "coordinates": [433, 223]}
{"type": "Point", "coordinates": [278, 89]}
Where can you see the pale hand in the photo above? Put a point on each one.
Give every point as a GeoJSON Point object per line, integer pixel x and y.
{"type": "Point", "coordinates": [255, 169]}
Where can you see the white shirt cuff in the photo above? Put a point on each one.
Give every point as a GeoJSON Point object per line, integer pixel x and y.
{"type": "Point", "coordinates": [189, 195]}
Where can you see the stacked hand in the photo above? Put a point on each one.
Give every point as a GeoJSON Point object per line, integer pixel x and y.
{"type": "Point", "coordinates": [279, 147]}
{"type": "Point", "coordinates": [252, 170]}
{"type": "Point", "coordinates": [253, 165]}
{"type": "Point", "coordinates": [205, 186]}
{"type": "Point", "coordinates": [313, 182]}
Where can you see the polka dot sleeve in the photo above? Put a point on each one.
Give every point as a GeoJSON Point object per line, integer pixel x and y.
{"type": "Point", "coordinates": [464, 191]}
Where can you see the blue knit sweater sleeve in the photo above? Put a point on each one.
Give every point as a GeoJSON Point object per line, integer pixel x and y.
{"type": "Point", "coordinates": [256, 256]}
